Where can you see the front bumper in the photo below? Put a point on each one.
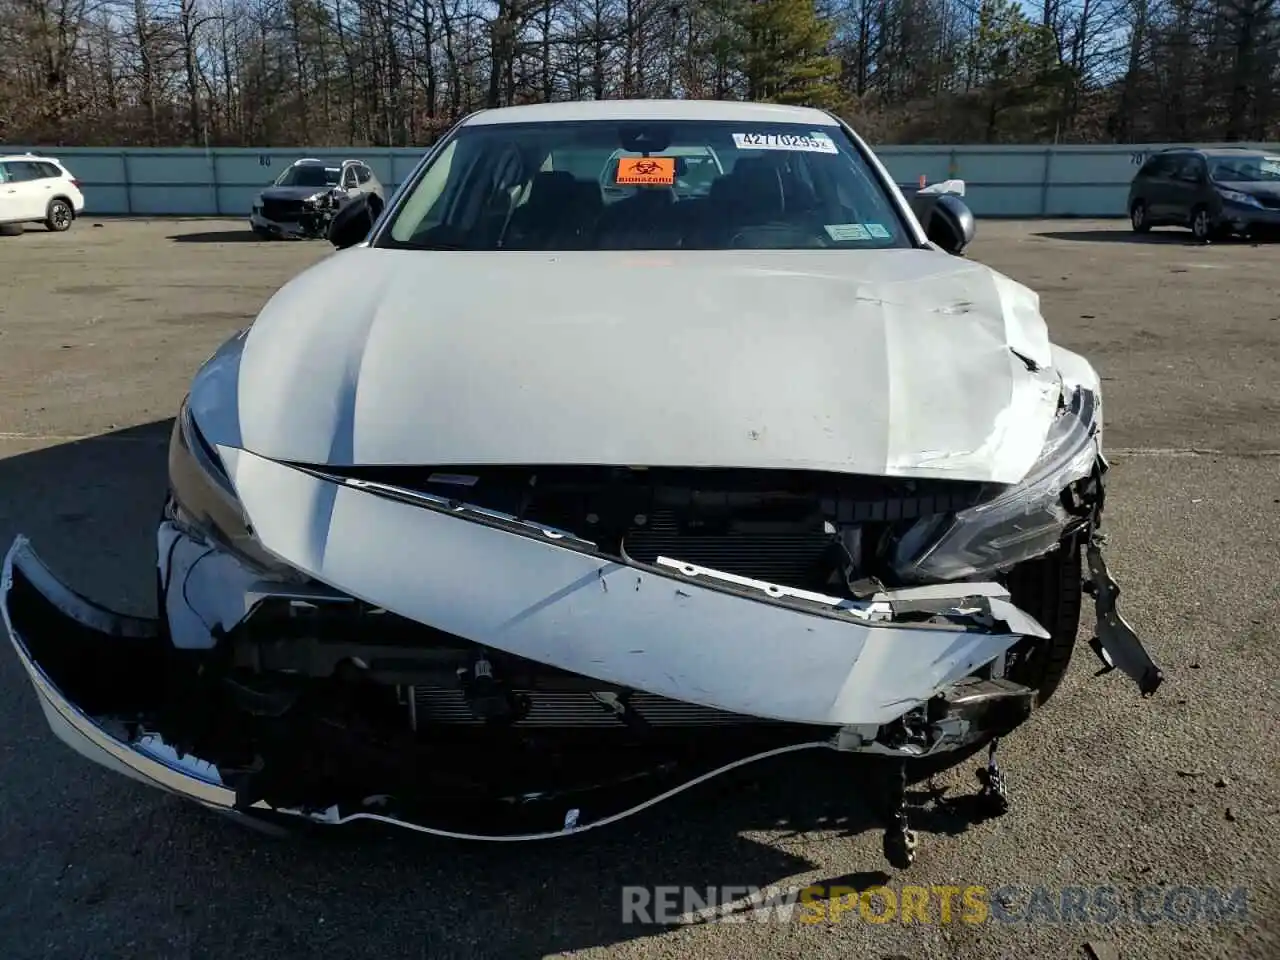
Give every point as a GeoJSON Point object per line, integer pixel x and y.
{"type": "Point", "coordinates": [1244, 218]}
{"type": "Point", "coordinates": [827, 674]}
{"type": "Point", "coordinates": [308, 228]}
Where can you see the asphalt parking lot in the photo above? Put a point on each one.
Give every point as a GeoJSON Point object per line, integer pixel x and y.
{"type": "Point", "coordinates": [100, 331]}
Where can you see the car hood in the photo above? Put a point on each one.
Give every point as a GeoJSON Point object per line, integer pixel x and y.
{"type": "Point", "coordinates": [294, 193]}
{"type": "Point", "coordinates": [1253, 187]}
{"type": "Point", "coordinates": [905, 363]}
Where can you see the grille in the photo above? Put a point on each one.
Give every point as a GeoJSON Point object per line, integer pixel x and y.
{"type": "Point", "coordinates": [283, 211]}
{"type": "Point", "coordinates": [791, 558]}
{"type": "Point", "coordinates": [573, 709]}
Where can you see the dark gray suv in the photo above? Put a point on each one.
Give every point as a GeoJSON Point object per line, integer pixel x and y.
{"type": "Point", "coordinates": [1214, 192]}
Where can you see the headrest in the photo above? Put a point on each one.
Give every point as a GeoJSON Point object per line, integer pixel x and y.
{"type": "Point", "coordinates": [551, 187]}
{"type": "Point", "coordinates": [754, 186]}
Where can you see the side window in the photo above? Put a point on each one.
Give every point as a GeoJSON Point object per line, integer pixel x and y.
{"type": "Point", "coordinates": [4, 172]}
{"type": "Point", "coordinates": [427, 204]}
{"type": "Point", "coordinates": [699, 174]}
{"type": "Point", "coordinates": [349, 177]}
{"type": "Point", "coordinates": [363, 174]}
{"type": "Point", "coordinates": [1190, 168]}
{"type": "Point", "coordinates": [1155, 167]}
{"type": "Point", "coordinates": [20, 171]}
{"type": "Point", "coordinates": [584, 163]}
{"type": "Point", "coordinates": [51, 171]}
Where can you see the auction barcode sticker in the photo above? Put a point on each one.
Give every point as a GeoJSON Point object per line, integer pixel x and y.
{"type": "Point", "coordinates": [816, 143]}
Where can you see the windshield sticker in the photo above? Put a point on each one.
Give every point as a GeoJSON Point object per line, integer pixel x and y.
{"type": "Point", "coordinates": [817, 143]}
{"type": "Point", "coordinates": [877, 230]}
{"type": "Point", "coordinates": [646, 171]}
{"type": "Point", "coordinates": [847, 231]}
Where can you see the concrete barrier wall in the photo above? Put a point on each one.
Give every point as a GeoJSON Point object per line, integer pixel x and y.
{"type": "Point", "coordinates": [1013, 181]}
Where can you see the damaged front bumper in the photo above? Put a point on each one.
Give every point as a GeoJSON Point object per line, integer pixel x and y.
{"type": "Point", "coordinates": [310, 224]}
{"type": "Point", "coordinates": [907, 673]}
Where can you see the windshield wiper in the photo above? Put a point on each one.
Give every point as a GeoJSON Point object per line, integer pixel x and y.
{"type": "Point", "coordinates": [411, 245]}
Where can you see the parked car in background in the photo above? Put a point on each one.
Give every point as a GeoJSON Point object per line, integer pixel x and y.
{"type": "Point", "coordinates": [35, 189]}
{"type": "Point", "coordinates": [304, 198]}
{"type": "Point", "coordinates": [1215, 192]}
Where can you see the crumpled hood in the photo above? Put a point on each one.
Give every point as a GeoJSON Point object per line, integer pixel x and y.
{"type": "Point", "coordinates": [893, 362]}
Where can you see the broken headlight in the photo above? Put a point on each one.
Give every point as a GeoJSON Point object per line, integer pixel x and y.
{"type": "Point", "coordinates": [204, 502]}
{"type": "Point", "coordinates": [1022, 522]}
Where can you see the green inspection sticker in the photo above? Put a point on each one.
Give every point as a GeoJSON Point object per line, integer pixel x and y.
{"type": "Point", "coordinates": [877, 230]}
{"type": "Point", "coordinates": [847, 231]}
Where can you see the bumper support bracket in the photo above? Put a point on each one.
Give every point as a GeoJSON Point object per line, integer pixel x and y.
{"type": "Point", "coordinates": [1114, 642]}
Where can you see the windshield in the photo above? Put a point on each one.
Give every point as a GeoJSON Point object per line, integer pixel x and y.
{"type": "Point", "coordinates": [308, 175]}
{"type": "Point", "coordinates": [651, 185]}
{"type": "Point", "coordinates": [1259, 169]}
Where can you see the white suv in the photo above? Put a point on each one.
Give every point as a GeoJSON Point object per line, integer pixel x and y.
{"type": "Point", "coordinates": [37, 190]}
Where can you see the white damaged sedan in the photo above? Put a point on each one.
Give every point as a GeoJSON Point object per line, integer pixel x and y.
{"type": "Point", "coordinates": [594, 468]}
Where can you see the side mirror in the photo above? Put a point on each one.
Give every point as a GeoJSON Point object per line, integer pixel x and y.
{"type": "Point", "coordinates": [950, 223]}
{"type": "Point", "coordinates": [352, 223]}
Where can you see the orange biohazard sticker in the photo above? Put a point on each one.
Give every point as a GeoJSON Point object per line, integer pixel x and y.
{"type": "Point", "coordinates": [646, 171]}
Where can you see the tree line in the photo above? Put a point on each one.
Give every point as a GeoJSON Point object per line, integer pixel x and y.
{"type": "Point", "coordinates": [399, 72]}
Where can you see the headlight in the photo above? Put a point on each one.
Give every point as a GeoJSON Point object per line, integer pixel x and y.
{"type": "Point", "coordinates": [1020, 523]}
{"type": "Point", "coordinates": [205, 504]}
{"type": "Point", "coordinates": [1235, 196]}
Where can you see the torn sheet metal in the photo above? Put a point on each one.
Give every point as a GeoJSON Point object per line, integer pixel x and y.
{"type": "Point", "coordinates": [883, 362]}
{"type": "Point", "coordinates": [589, 615]}
{"type": "Point", "coordinates": [954, 186]}
{"type": "Point", "coordinates": [1114, 642]}
{"type": "Point", "coordinates": [147, 759]}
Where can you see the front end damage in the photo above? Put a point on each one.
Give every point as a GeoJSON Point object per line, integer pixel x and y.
{"type": "Point", "coordinates": [515, 653]}
{"type": "Point", "coordinates": [288, 216]}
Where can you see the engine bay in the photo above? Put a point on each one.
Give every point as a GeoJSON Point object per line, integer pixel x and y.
{"type": "Point", "coordinates": [803, 529]}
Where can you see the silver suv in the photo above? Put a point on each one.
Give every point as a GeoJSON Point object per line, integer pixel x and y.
{"type": "Point", "coordinates": [303, 199]}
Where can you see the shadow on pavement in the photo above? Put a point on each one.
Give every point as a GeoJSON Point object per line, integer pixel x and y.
{"type": "Point", "coordinates": [92, 837]}
{"type": "Point", "coordinates": [1122, 235]}
{"type": "Point", "coordinates": [90, 507]}
{"type": "Point", "coordinates": [218, 236]}
{"type": "Point", "coordinates": [1171, 237]}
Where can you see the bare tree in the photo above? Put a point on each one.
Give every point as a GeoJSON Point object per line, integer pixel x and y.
{"type": "Point", "coordinates": [399, 72]}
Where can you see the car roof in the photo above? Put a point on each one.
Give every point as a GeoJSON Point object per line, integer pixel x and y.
{"type": "Point", "coordinates": [327, 164]}
{"type": "Point", "coordinates": [1210, 151]}
{"type": "Point", "coordinates": [27, 156]}
{"type": "Point", "coordinates": [652, 110]}
{"type": "Point", "coordinates": [1233, 152]}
